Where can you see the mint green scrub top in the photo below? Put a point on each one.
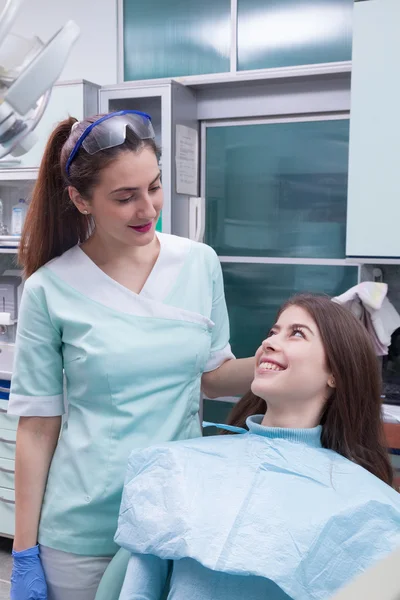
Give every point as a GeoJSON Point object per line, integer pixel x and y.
{"type": "Point", "coordinates": [132, 365]}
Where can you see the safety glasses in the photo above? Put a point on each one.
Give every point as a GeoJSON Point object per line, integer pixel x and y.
{"type": "Point", "coordinates": [110, 131]}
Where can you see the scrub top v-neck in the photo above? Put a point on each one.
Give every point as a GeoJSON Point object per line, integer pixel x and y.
{"type": "Point", "coordinates": [132, 365]}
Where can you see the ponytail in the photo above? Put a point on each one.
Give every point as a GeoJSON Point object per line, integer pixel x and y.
{"type": "Point", "coordinates": [53, 224]}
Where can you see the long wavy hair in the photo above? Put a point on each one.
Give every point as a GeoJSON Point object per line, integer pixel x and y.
{"type": "Point", "coordinates": [351, 421]}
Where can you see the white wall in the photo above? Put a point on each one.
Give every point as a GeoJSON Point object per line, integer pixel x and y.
{"type": "Point", "coordinates": [94, 56]}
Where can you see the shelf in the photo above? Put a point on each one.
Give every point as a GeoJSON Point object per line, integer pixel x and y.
{"type": "Point", "coordinates": [370, 260]}
{"type": "Point", "coordinates": [17, 174]}
{"type": "Point", "coordinates": [9, 244]}
{"type": "Point", "coordinates": [322, 70]}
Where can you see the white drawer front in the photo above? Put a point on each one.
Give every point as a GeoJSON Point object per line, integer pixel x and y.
{"type": "Point", "coordinates": [7, 421]}
{"type": "Point", "coordinates": [7, 473]}
{"type": "Point", "coordinates": [7, 512]}
{"type": "Point", "coordinates": [7, 443]}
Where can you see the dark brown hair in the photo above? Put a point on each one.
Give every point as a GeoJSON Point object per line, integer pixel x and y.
{"type": "Point", "coordinates": [351, 422]}
{"type": "Point", "coordinates": [53, 224]}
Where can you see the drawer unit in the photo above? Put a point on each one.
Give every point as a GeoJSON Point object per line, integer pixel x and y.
{"type": "Point", "coordinates": [7, 512]}
{"type": "Point", "coordinates": [4, 389]}
{"type": "Point", "coordinates": [7, 473]}
{"type": "Point", "coordinates": [7, 421]}
{"type": "Point", "coordinates": [7, 443]}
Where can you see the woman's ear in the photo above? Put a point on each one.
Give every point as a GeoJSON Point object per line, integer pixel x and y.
{"type": "Point", "coordinates": [81, 204]}
{"type": "Point", "coordinates": [331, 381]}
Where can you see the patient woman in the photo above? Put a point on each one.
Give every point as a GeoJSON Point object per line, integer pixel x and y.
{"type": "Point", "coordinates": [295, 505]}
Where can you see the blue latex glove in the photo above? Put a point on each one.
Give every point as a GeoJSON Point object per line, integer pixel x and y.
{"type": "Point", "coordinates": [27, 579]}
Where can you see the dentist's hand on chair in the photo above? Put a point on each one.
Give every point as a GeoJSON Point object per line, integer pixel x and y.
{"type": "Point", "coordinates": [27, 580]}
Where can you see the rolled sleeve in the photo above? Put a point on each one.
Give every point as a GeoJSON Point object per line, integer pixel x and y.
{"type": "Point", "coordinates": [37, 379]}
{"type": "Point", "coordinates": [220, 347]}
{"type": "Point", "coordinates": [217, 358]}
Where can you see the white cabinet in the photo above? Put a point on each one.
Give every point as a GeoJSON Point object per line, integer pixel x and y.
{"type": "Point", "coordinates": [8, 426]}
{"type": "Point", "coordinates": [168, 104]}
{"type": "Point", "coordinates": [76, 99]}
{"type": "Point", "coordinates": [11, 192]}
{"type": "Point", "coordinates": [373, 201]}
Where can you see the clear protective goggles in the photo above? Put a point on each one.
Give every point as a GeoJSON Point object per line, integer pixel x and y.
{"type": "Point", "coordinates": [110, 131]}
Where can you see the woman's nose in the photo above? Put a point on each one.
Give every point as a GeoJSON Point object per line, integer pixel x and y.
{"type": "Point", "coordinates": [270, 344]}
{"type": "Point", "coordinates": [146, 209]}
{"type": "Point", "coordinates": [267, 345]}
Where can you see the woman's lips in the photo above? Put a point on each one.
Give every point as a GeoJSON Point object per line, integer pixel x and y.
{"type": "Point", "coordinates": [142, 228]}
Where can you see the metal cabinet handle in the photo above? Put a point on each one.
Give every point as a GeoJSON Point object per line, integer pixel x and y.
{"type": "Point", "coordinates": [3, 470]}
{"type": "Point", "coordinates": [6, 501]}
{"type": "Point", "coordinates": [7, 441]}
{"type": "Point", "coordinates": [4, 390]}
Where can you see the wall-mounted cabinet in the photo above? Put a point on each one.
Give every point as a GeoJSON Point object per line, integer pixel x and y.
{"type": "Point", "coordinates": [175, 38]}
{"type": "Point", "coordinates": [373, 214]}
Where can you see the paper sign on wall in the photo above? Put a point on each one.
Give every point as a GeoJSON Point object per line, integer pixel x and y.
{"type": "Point", "coordinates": [186, 160]}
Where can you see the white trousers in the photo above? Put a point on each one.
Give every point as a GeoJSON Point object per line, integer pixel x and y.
{"type": "Point", "coordinates": [72, 576]}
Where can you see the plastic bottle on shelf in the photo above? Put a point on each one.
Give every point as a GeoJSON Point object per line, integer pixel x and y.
{"type": "Point", "coordinates": [18, 217]}
{"type": "Point", "coordinates": [3, 227]}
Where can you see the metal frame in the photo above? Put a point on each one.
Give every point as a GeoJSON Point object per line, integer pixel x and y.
{"type": "Point", "coordinates": [234, 35]}
{"type": "Point", "coordinates": [266, 260]}
{"type": "Point", "coordinates": [273, 120]}
{"type": "Point", "coordinates": [210, 79]}
{"type": "Point", "coordinates": [120, 41]}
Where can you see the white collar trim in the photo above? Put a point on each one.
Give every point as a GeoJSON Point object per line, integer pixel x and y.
{"type": "Point", "coordinates": [78, 271]}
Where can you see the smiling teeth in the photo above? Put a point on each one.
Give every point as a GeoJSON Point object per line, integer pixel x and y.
{"type": "Point", "coordinates": [266, 366]}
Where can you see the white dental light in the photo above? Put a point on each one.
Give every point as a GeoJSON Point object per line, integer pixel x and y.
{"type": "Point", "coordinates": [28, 70]}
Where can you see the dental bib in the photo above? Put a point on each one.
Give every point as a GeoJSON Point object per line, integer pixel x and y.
{"type": "Point", "coordinates": [270, 502]}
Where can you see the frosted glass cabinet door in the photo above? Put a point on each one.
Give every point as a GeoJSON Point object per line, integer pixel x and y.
{"type": "Point", "coordinates": [284, 33]}
{"type": "Point", "coordinates": [175, 38]}
{"type": "Point", "coordinates": [278, 189]}
{"type": "Point", "coordinates": [254, 292]}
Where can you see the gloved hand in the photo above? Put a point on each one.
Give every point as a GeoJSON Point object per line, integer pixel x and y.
{"type": "Point", "coordinates": [27, 579]}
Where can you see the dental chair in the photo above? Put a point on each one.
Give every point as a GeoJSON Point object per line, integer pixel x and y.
{"type": "Point", "coordinates": [112, 580]}
{"type": "Point", "coordinates": [380, 582]}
